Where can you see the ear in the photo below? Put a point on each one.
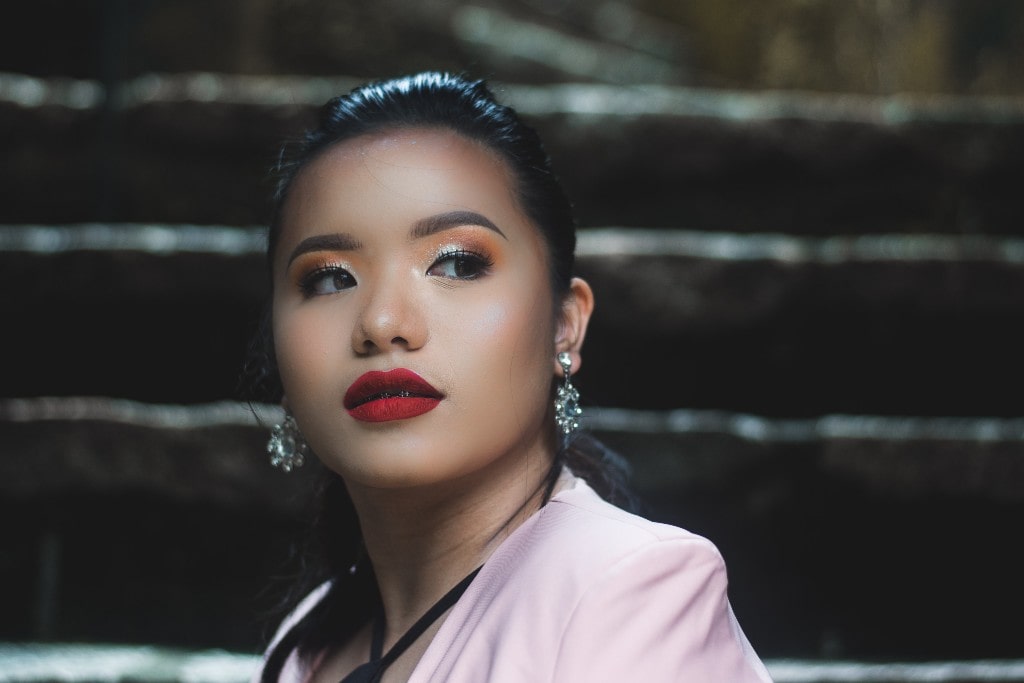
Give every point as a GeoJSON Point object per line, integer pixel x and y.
{"type": "Point", "coordinates": [577, 306]}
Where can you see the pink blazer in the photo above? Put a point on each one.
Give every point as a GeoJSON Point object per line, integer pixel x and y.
{"type": "Point", "coordinates": [584, 591]}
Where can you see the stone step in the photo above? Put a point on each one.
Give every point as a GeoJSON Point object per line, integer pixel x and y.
{"type": "Point", "coordinates": [963, 47]}
{"type": "Point", "coordinates": [771, 324]}
{"type": "Point", "coordinates": [617, 43]}
{"type": "Point", "coordinates": [194, 148]}
{"type": "Point", "coordinates": [100, 441]}
{"type": "Point", "coordinates": [99, 663]}
{"type": "Point", "coordinates": [173, 512]}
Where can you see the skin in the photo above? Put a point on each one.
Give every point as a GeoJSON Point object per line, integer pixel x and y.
{"type": "Point", "coordinates": [366, 277]}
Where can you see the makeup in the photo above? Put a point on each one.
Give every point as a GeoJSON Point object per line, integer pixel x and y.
{"type": "Point", "coordinates": [404, 266]}
{"type": "Point", "coordinates": [397, 394]}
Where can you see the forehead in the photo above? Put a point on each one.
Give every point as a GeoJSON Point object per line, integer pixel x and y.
{"type": "Point", "coordinates": [378, 186]}
{"type": "Point", "coordinates": [394, 167]}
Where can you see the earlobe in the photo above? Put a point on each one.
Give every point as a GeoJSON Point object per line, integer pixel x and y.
{"type": "Point", "coordinates": [572, 327]}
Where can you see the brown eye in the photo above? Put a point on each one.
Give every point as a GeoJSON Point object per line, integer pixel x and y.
{"type": "Point", "coordinates": [326, 281]}
{"type": "Point", "coordinates": [460, 265]}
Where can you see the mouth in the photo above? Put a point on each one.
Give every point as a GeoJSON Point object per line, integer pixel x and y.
{"type": "Point", "coordinates": [393, 395]}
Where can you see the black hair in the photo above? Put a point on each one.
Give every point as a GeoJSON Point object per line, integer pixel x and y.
{"type": "Point", "coordinates": [469, 108]}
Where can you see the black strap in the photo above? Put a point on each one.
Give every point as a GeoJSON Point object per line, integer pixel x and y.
{"type": "Point", "coordinates": [372, 671]}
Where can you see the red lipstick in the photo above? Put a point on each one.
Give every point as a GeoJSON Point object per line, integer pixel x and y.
{"type": "Point", "coordinates": [393, 395]}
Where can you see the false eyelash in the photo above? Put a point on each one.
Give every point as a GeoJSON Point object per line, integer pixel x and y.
{"type": "Point", "coordinates": [307, 282]}
{"type": "Point", "coordinates": [482, 261]}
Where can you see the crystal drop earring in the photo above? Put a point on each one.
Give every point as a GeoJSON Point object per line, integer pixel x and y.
{"type": "Point", "coordinates": [286, 446]}
{"type": "Point", "coordinates": [567, 401]}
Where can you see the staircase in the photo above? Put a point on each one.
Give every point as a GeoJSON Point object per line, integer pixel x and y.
{"type": "Point", "coordinates": [807, 345]}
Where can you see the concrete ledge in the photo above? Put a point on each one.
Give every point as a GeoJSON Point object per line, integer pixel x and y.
{"type": "Point", "coordinates": [622, 241]}
{"type": "Point", "coordinates": [214, 452]}
{"type": "Point", "coordinates": [798, 671]}
{"type": "Point", "coordinates": [73, 663]}
{"type": "Point", "coordinates": [205, 454]}
{"type": "Point", "coordinates": [577, 99]}
{"type": "Point", "coordinates": [195, 148]}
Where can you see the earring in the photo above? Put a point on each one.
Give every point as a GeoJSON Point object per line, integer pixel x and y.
{"type": "Point", "coordinates": [567, 402]}
{"type": "Point", "coordinates": [286, 446]}
{"type": "Point", "coordinates": [354, 567]}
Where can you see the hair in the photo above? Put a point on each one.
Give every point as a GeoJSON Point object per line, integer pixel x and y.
{"type": "Point", "coordinates": [468, 108]}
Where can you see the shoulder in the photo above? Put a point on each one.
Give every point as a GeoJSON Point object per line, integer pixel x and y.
{"type": "Point", "coordinates": [628, 598]}
{"type": "Point", "coordinates": [578, 540]}
{"type": "Point", "coordinates": [587, 591]}
{"type": "Point", "coordinates": [580, 528]}
{"type": "Point", "coordinates": [656, 594]}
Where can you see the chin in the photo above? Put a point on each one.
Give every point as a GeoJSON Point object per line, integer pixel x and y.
{"type": "Point", "coordinates": [393, 472]}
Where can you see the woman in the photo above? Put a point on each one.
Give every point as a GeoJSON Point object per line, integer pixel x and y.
{"type": "Point", "coordinates": [424, 328]}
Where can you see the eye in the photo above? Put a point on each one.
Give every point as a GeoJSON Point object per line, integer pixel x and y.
{"type": "Point", "coordinates": [460, 265]}
{"type": "Point", "coordinates": [327, 280]}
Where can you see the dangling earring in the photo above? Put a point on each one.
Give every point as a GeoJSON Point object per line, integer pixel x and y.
{"type": "Point", "coordinates": [286, 446]}
{"type": "Point", "coordinates": [354, 567]}
{"type": "Point", "coordinates": [567, 402]}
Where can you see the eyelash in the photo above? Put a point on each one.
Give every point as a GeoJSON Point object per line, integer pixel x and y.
{"type": "Point", "coordinates": [480, 262]}
{"type": "Point", "coordinates": [309, 282]}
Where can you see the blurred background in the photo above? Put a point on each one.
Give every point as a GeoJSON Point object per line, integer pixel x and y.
{"type": "Point", "coordinates": [802, 220]}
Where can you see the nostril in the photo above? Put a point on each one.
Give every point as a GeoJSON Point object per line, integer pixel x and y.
{"type": "Point", "coordinates": [369, 346]}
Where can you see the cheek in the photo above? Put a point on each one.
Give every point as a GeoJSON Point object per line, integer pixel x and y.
{"type": "Point", "coordinates": [517, 337]}
{"type": "Point", "coordinates": [285, 345]}
{"type": "Point", "coordinates": [301, 347]}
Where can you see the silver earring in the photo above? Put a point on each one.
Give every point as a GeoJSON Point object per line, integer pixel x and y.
{"type": "Point", "coordinates": [567, 402]}
{"type": "Point", "coordinates": [286, 446]}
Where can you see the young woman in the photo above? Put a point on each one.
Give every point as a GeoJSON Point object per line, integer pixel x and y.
{"type": "Point", "coordinates": [424, 328]}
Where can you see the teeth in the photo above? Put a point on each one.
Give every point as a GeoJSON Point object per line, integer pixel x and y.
{"type": "Point", "coordinates": [389, 394]}
{"type": "Point", "coordinates": [400, 394]}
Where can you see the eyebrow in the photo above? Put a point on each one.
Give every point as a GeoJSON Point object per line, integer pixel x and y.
{"type": "Point", "coordinates": [334, 242]}
{"type": "Point", "coordinates": [424, 227]}
{"type": "Point", "coordinates": [448, 220]}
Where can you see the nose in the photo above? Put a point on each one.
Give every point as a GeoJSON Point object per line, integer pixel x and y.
{"type": "Point", "coordinates": [389, 318]}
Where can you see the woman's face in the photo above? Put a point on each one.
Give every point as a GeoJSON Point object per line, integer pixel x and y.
{"type": "Point", "coordinates": [413, 317]}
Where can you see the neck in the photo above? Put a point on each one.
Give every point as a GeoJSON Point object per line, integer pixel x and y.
{"type": "Point", "coordinates": [422, 541]}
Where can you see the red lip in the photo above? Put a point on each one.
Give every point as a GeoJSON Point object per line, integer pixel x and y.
{"type": "Point", "coordinates": [393, 395]}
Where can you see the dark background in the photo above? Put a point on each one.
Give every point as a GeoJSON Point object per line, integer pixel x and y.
{"type": "Point", "coordinates": [832, 301]}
